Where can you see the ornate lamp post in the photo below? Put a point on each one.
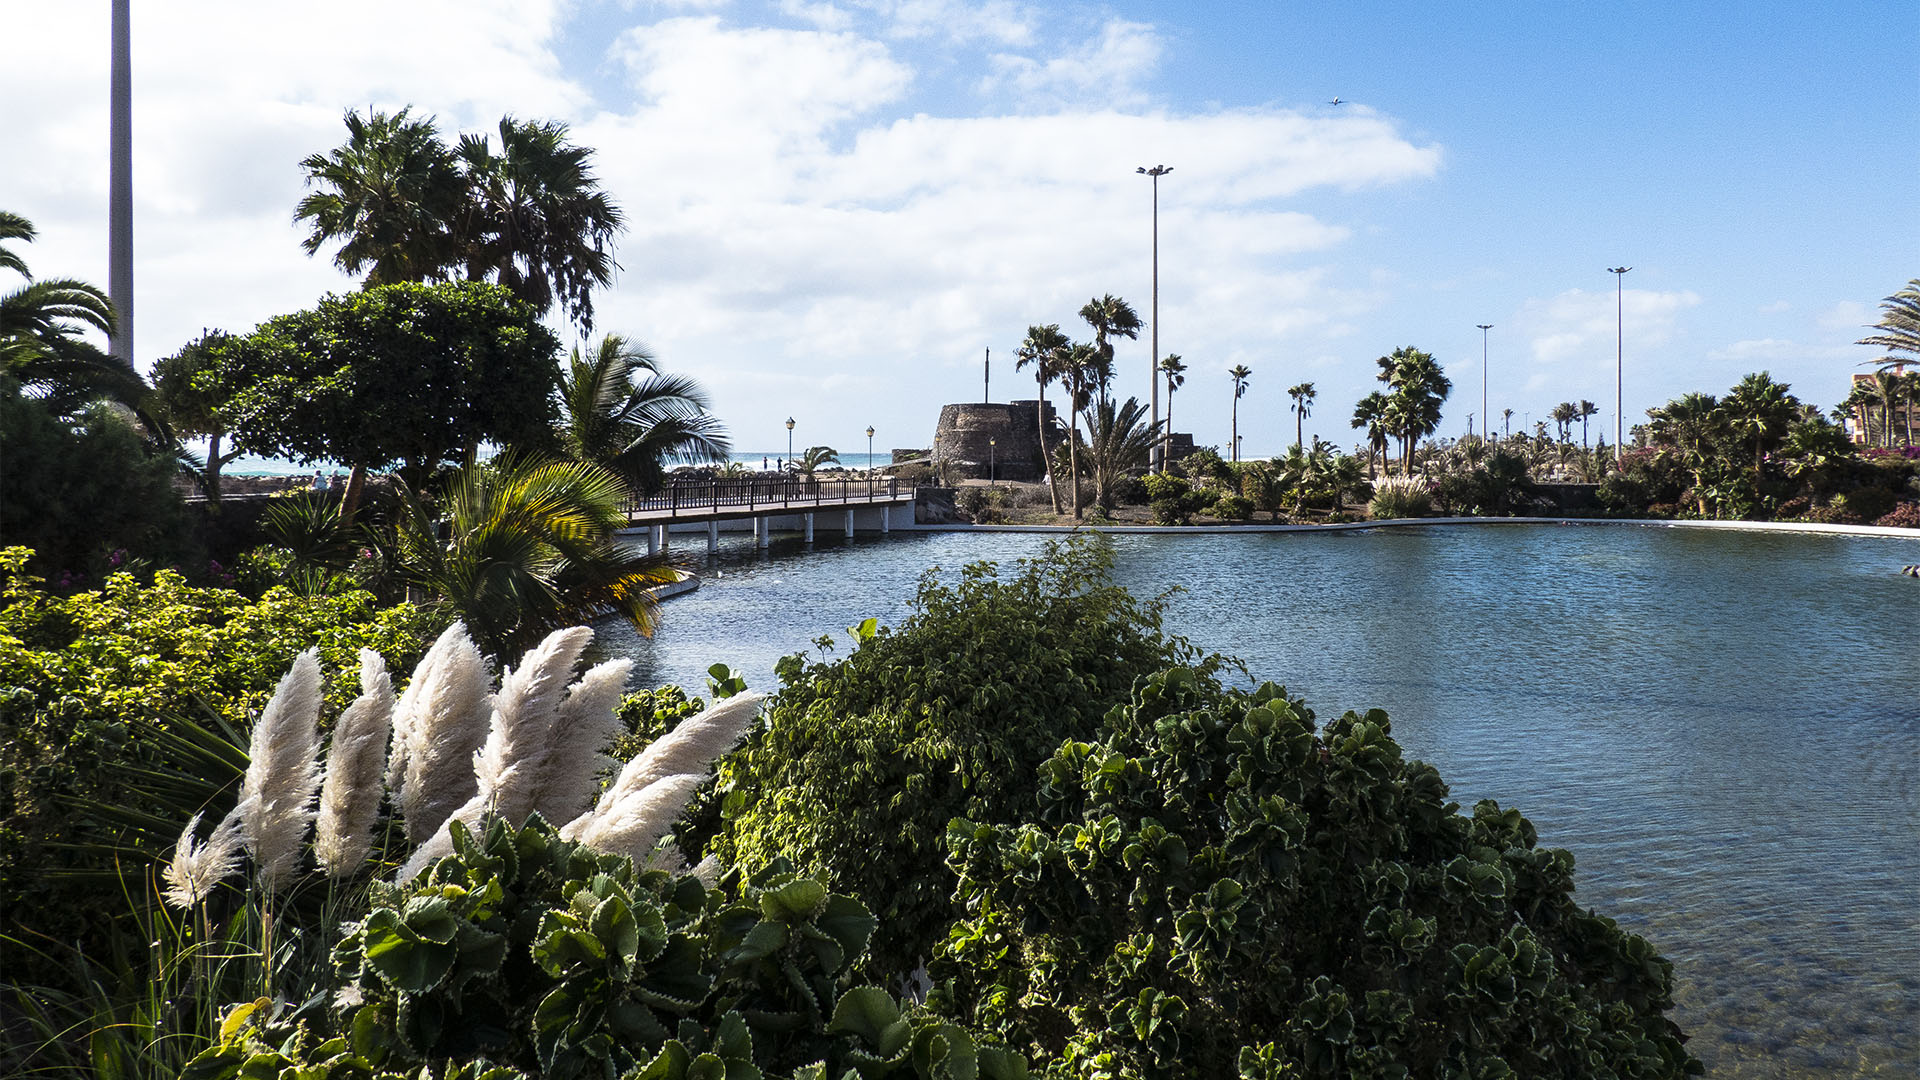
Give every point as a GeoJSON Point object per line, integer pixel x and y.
{"type": "Point", "coordinates": [869, 447]}
{"type": "Point", "coordinates": [992, 458]}
{"type": "Point", "coordinates": [789, 442]}
{"type": "Point", "coordinates": [1619, 327]}
{"type": "Point", "coordinates": [1155, 462]}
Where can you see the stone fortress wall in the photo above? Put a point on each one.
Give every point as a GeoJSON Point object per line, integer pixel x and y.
{"type": "Point", "coordinates": [961, 448]}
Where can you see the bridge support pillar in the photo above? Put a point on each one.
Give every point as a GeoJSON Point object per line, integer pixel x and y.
{"type": "Point", "coordinates": [663, 537]}
{"type": "Point", "coordinates": [849, 524]}
{"type": "Point", "coordinates": [713, 537]}
{"type": "Point", "coordinates": [762, 532]}
{"type": "Point", "coordinates": [653, 541]}
{"type": "Point", "coordinates": [809, 527]}
{"type": "Point", "coordinates": [883, 520]}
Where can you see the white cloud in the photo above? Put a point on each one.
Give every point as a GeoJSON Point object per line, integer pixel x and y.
{"type": "Point", "coordinates": [1848, 315]}
{"type": "Point", "coordinates": [1775, 308]}
{"type": "Point", "coordinates": [1578, 324]}
{"type": "Point", "coordinates": [955, 21]}
{"type": "Point", "coordinates": [1762, 351]}
{"type": "Point", "coordinates": [1107, 68]}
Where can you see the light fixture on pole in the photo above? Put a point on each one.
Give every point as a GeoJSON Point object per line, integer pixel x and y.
{"type": "Point", "coordinates": [992, 457]}
{"type": "Point", "coordinates": [789, 442]}
{"type": "Point", "coordinates": [1485, 416]}
{"type": "Point", "coordinates": [1156, 460]}
{"type": "Point", "coordinates": [1619, 337]}
{"type": "Point", "coordinates": [869, 447]}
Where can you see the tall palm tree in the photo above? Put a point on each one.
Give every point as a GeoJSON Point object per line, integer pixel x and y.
{"type": "Point", "coordinates": [43, 343]}
{"type": "Point", "coordinates": [1506, 421]}
{"type": "Point", "coordinates": [1899, 325]}
{"type": "Point", "coordinates": [1420, 388]}
{"type": "Point", "coordinates": [1302, 395]}
{"type": "Point", "coordinates": [389, 196]}
{"type": "Point", "coordinates": [1564, 414]}
{"type": "Point", "coordinates": [618, 409]}
{"type": "Point", "coordinates": [1110, 317]}
{"type": "Point", "coordinates": [518, 547]}
{"type": "Point", "coordinates": [1080, 370]}
{"type": "Point", "coordinates": [1045, 348]}
{"type": "Point", "coordinates": [1372, 413]}
{"type": "Point", "coordinates": [1176, 373]}
{"type": "Point", "coordinates": [536, 220]}
{"type": "Point", "coordinates": [1588, 410]}
{"type": "Point", "coordinates": [1239, 373]}
{"type": "Point", "coordinates": [1760, 409]}
{"type": "Point", "coordinates": [1886, 387]}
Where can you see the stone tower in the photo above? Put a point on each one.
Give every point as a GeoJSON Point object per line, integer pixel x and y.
{"type": "Point", "coordinates": [962, 450]}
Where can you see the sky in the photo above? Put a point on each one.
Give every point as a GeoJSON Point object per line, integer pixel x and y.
{"type": "Point", "coordinates": [836, 208]}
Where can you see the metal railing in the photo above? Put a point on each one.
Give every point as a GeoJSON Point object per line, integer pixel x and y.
{"type": "Point", "coordinates": [766, 491]}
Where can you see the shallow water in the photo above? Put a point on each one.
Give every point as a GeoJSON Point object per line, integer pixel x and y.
{"type": "Point", "coordinates": [1723, 727]}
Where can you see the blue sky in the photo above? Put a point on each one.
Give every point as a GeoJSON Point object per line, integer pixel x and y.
{"type": "Point", "coordinates": [837, 206]}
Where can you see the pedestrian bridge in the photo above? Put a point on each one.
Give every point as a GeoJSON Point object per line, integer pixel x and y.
{"type": "Point", "coordinates": [793, 500]}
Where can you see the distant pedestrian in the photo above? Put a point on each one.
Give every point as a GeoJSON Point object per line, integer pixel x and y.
{"type": "Point", "coordinates": [339, 481]}
{"type": "Point", "coordinates": [763, 463]}
{"type": "Point", "coordinates": [319, 481]}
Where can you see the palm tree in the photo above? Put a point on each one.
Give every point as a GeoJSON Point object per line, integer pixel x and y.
{"type": "Point", "coordinates": [1899, 323]}
{"type": "Point", "coordinates": [1760, 409]}
{"type": "Point", "coordinates": [1302, 395]}
{"type": "Point", "coordinates": [1419, 390]}
{"type": "Point", "coordinates": [536, 220]}
{"type": "Point", "coordinates": [1045, 348]}
{"type": "Point", "coordinates": [1080, 369]}
{"type": "Point", "coordinates": [389, 195]}
{"type": "Point", "coordinates": [518, 547]}
{"type": "Point", "coordinates": [1110, 317]}
{"type": "Point", "coordinates": [1239, 373]}
{"type": "Point", "coordinates": [1886, 387]}
{"type": "Point", "coordinates": [1506, 422]}
{"type": "Point", "coordinates": [619, 410]}
{"type": "Point", "coordinates": [43, 345]}
{"type": "Point", "coordinates": [1588, 410]}
{"type": "Point", "coordinates": [1175, 371]}
{"type": "Point", "coordinates": [1371, 412]}
{"type": "Point", "coordinates": [813, 457]}
{"type": "Point", "coordinates": [1564, 414]}
{"type": "Point", "coordinates": [1119, 440]}
{"type": "Point", "coordinates": [1693, 426]}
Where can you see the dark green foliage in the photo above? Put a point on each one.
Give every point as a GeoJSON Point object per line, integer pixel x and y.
{"type": "Point", "coordinates": [78, 491]}
{"type": "Point", "coordinates": [407, 373]}
{"type": "Point", "coordinates": [1175, 500]}
{"type": "Point", "coordinates": [114, 708]}
{"type": "Point", "coordinates": [1214, 887]}
{"type": "Point", "coordinates": [864, 760]}
{"type": "Point", "coordinates": [525, 951]}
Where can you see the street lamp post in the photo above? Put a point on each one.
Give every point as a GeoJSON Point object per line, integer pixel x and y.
{"type": "Point", "coordinates": [789, 442]}
{"type": "Point", "coordinates": [992, 458]}
{"type": "Point", "coordinates": [1484, 414]}
{"type": "Point", "coordinates": [1156, 461]}
{"type": "Point", "coordinates": [869, 448]}
{"type": "Point", "coordinates": [1619, 337]}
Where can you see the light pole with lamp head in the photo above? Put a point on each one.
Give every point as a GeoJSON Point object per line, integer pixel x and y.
{"type": "Point", "coordinates": [789, 442]}
{"type": "Point", "coordinates": [1156, 459]}
{"type": "Point", "coordinates": [1619, 337]}
{"type": "Point", "coordinates": [993, 454]}
{"type": "Point", "coordinates": [869, 448]}
{"type": "Point", "coordinates": [1485, 416]}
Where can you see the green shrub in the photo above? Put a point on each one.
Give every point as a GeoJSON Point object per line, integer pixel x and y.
{"type": "Point", "coordinates": [1174, 499]}
{"type": "Point", "coordinates": [1215, 888]}
{"type": "Point", "coordinates": [1400, 497]}
{"type": "Point", "coordinates": [1865, 504]}
{"type": "Point", "coordinates": [1233, 508]}
{"type": "Point", "coordinates": [865, 759]}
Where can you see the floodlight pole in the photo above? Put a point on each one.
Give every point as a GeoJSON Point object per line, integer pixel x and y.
{"type": "Point", "coordinates": [1484, 414]}
{"type": "Point", "coordinates": [1619, 339]}
{"type": "Point", "coordinates": [1156, 461]}
{"type": "Point", "coordinates": [120, 185]}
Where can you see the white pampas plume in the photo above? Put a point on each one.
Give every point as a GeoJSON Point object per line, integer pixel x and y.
{"type": "Point", "coordinates": [282, 773]}
{"type": "Point", "coordinates": [197, 867]}
{"type": "Point", "coordinates": [350, 796]}
{"type": "Point", "coordinates": [508, 767]}
{"type": "Point", "coordinates": [633, 824]}
{"type": "Point", "coordinates": [438, 724]}
{"type": "Point", "coordinates": [586, 724]}
{"type": "Point", "coordinates": [709, 871]}
{"type": "Point", "coordinates": [692, 747]}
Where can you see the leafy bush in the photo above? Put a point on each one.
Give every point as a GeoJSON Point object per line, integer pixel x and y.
{"type": "Point", "coordinates": [1904, 516]}
{"type": "Point", "coordinates": [1213, 888]}
{"type": "Point", "coordinates": [1233, 508]}
{"type": "Point", "coordinates": [1174, 499]}
{"type": "Point", "coordinates": [982, 505]}
{"type": "Point", "coordinates": [865, 759]}
{"type": "Point", "coordinates": [1400, 497]}
{"type": "Point", "coordinates": [1865, 504]}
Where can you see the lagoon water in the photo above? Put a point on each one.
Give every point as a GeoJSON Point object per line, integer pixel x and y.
{"type": "Point", "coordinates": [1724, 728]}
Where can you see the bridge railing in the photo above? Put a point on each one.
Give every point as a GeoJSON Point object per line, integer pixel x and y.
{"type": "Point", "coordinates": [769, 491]}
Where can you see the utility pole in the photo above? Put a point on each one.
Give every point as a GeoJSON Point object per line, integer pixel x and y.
{"type": "Point", "coordinates": [1619, 337]}
{"type": "Point", "coordinates": [120, 185]}
{"type": "Point", "coordinates": [1484, 414]}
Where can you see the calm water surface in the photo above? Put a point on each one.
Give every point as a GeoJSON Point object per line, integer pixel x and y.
{"type": "Point", "coordinates": [1724, 728]}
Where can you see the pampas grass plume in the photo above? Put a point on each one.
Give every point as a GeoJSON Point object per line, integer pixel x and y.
{"type": "Point", "coordinates": [636, 822]}
{"type": "Point", "coordinates": [282, 773]}
{"type": "Point", "coordinates": [350, 796]}
{"type": "Point", "coordinates": [197, 867]}
{"type": "Point", "coordinates": [691, 747]}
{"type": "Point", "coordinates": [586, 724]}
{"type": "Point", "coordinates": [438, 724]}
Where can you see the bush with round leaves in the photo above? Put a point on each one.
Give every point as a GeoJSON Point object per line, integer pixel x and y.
{"type": "Point", "coordinates": [526, 953]}
{"type": "Point", "coordinates": [1214, 887]}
